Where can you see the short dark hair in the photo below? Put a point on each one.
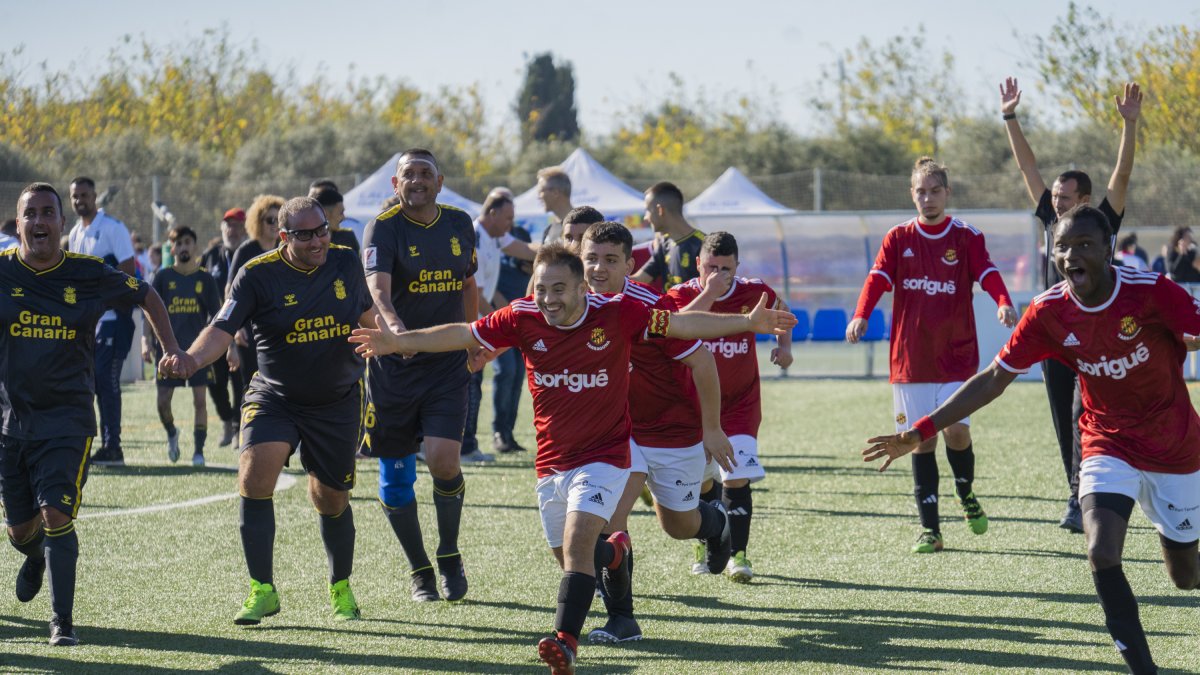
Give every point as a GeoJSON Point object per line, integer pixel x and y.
{"type": "Point", "coordinates": [328, 197]}
{"type": "Point", "coordinates": [9, 227]}
{"type": "Point", "coordinates": [179, 232]}
{"type": "Point", "coordinates": [41, 187]}
{"type": "Point", "coordinates": [610, 232]}
{"type": "Point", "coordinates": [322, 184]}
{"type": "Point", "coordinates": [496, 200]}
{"type": "Point", "coordinates": [419, 152]}
{"type": "Point", "coordinates": [1086, 214]}
{"type": "Point", "coordinates": [668, 196]}
{"type": "Point", "coordinates": [296, 205]}
{"type": "Point", "coordinates": [720, 243]}
{"type": "Point", "coordinates": [558, 254]}
{"type": "Point", "coordinates": [1128, 241]}
{"type": "Point", "coordinates": [83, 180]}
{"type": "Point", "coordinates": [583, 215]}
{"type": "Point", "coordinates": [1083, 183]}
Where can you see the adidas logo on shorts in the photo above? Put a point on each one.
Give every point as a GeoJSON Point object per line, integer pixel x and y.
{"type": "Point", "coordinates": [596, 499]}
{"type": "Point", "coordinates": [1071, 340]}
{"type": "Point", "coordinates": [539, 346]}
{"type": "Point", "coordinates": [1185, 525]}
{"type": "Point", "coordinates": [908, 253]}
{"type": "Point", "coordinates": [931, 499]}
{"type": "Point", "coordinates": [689, 497]}
{"type": "Point", "coordinates": [751, 462]}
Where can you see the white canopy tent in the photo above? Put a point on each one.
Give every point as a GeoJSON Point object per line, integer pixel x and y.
{"type": "Point", "coordinates": [591, 185]}
{"type": "Point", "coordinates": [364, 200]}
{"type": "Point", "coordinates": [734, 195]}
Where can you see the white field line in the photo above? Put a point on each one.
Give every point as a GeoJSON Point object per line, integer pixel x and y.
{"type": "Point", "coordinates": [285, 481]}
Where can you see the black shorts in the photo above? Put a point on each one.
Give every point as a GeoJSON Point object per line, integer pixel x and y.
{"type": "Point", "coordinates": [35, 474]}
{"type": "Point", "coordinates": [406, 404]}
{"type": "Point", "coordinates": [327, 435]}
{"type": "Point", "coordinates": [201, 378]}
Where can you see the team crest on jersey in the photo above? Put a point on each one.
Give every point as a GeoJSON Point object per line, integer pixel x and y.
{"type": "Point", "coordinates": [289, 300]}
{"type": "Point", "coordinates": [170, 285]}
{"type": "Point", "coordinates": [339, 289]}
{"type": "Point", "coordinates": [745, 309]}
{"type": "Point", "coordinates": [455, 248]}
{"type": "Point", "coordinates": [18, 292]}
{"type": "Point", "coordinates": [413, 252]}
{"type": "Point", "coordinates": [950, 257]}
{"type": "Point", "coordinates": [901, 418]}
{"type": "Point", "coordinates": [599, 341]}
{"type": "Point", "coordinates": [69, 295]}
{"type": "Point", "coordinates": [1129, 328]}
{"type": "Point", "coordinates": [199, 287]}
{"type": "Point", "coordinates": [683, 260]}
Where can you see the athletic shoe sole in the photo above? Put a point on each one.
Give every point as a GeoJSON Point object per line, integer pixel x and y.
{"type": "Point", "coordinates": [555, 654]}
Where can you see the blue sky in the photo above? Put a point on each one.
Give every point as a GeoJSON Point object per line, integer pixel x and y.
{"type": "Point", "coordinates": [623, 52]}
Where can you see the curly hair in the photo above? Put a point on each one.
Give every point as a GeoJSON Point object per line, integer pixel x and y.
{"type": "Point", "coordinates": [256, 215]}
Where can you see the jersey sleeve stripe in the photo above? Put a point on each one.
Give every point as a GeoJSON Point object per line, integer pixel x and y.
{"type": "Point", "coordinates": [885, 276]}
{"type": "Point", "coordinates": [486, 345]}
{"type": "Point", "coordinates": [987, 272]}
{"type": "Point", "coordinates": [642, 294]}
{"type": "Point", "coordinates": [690, 351]}
{"type": "Point", "coordinates": [1000, 362]}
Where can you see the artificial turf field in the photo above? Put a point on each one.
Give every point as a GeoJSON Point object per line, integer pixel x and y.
{"type": "Point", "coordinates": [836, 588]}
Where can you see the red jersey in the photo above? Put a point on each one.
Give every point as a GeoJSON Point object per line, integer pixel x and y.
{"type": "Point", "coordinates": [932, 269]}
{"type": "Point", "coordinates": [663, 404]}
{"type": "Point", "coordinates": [736, 356]}
{"type": "Point", "coordinates": [578, 375]}
{"type": "Point", "coordinates": [1129, 355]}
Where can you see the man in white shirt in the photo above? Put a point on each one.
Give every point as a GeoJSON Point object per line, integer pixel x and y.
{"type": "Point", "coordinates": [8, 235]}
{"type": "Point", "coordinates": [98, 234]}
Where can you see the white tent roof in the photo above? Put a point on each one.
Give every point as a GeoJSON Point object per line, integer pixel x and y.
{"type": "Point", "coordinates": [591, 185]}
{"type": "Point", "coordinates": [362, 202]}
{"type": "Point", "coordinates": [733, 194]}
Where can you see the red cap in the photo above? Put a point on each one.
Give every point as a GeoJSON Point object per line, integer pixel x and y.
{"type": "Point", "coordinates": [235, 214]}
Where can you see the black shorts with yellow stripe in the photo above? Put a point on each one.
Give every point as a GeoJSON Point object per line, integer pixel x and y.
{"type": "Point", "coordinates": [407, 403]}
{"type": "Point", "coordinates": [39, 473]}
{"type": "Point", "coordinates": [327, 435]}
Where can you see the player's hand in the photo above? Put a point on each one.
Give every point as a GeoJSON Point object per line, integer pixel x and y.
{"type": "Point", "coordinates": [893, 447]}
{"type": "Point", "coordinates": [770, 321]}
{"type": "Point", "coordinates": [233, 358]}
{"type": "Point", "coordinates": [1007, 316]}
{"type": "Point", "coordinates": [1010, 96]}
{"type": "Point", "coordinates": [1192, 342]}
{"type": "Point", "coordinates": [1130, 106]}
{"type": "Point", "coordinates": [781, 357]}
{"type": "Point", "coordinates": [716, 283]}
{"type": "Point", "coordinates": [375, 341]}
{"type": "Point", "coordinates": [242, 338]}
{"type": "Point", "coordinates": [178, 364]}
{"type": "Point", "coordinates": [718, 447]}
{"type": "Point", "coordinates": [479, 357]}
{"type": "Point", "coordinates": [855, 330]}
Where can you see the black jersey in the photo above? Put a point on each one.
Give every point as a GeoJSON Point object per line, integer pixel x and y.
{"type": "Point", "coordinates": [344, 238]}
{"type": "Point", "coordinates": [674, 261]}
{"type": "Point", "coordinates": [301, 321]}
{"type": "Point", "coordinates": [246, 251]}
{"type": "Point", "coordinates": [218, 260]}
{"type": "Point", "coordinates": [428, 264]}
{"type": "Point", "coordinates": [191, 301]}
{"type": "Point", "coordinates": [48, 345]}
{"type": "Point", "coordinates": [1045, 213]}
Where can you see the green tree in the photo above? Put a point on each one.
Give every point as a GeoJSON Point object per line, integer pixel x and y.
{"type": "Point", "coordinates": [546, 104]}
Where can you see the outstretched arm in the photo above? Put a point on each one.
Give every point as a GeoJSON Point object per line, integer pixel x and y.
{"type": "Point", "coordinates": [1010, 97]}
{"type": "Point", "coordinates": [973, 395]}
{"type": "Point", "coordinates": [1130, 107]}
{"type": "Point", "coordinates": [708, 390]}
{"type": "Point", "coordinates": [382, 340]}
{"type": "Point", "coordinates": [703, 325]}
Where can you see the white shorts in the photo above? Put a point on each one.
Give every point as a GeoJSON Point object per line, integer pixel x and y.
{"type": "Point", "coordinates": [745, 451]}
{"type": "Point", "coordinates": [673, 474]}
{"type": "Point", "coordinates": [1170, 500]}
{"type": "Point", "coordinates": [592, 488]}
{"type": "Point", "coordinates": [914, 400]}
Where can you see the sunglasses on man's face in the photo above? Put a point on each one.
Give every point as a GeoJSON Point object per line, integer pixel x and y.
{"type": "Point", "coordinates": [321, 230]}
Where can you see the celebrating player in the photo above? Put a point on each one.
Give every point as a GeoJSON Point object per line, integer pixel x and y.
{"type": "Point", "coordinates": [192, 298]}
{"type": "Point", "coordinates": [53, 300]}
{"type": "Point", "coordinates": [931, 263]}
{"type": "Point", "coordinates": [576, 346]}
{"type": "Point", "coordinates": [301, 299]}
{"type": "Point", "coordinates": [720, 290]}
{"type": "Point", "coordinates": [1122, 332]}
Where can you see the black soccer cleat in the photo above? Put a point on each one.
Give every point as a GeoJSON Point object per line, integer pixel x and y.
{"type": "Point", "coordinates": [558, 655]}
{"type": "Point", "coordinates": [108, 457]}
{"type": "Point", "coordinates": [424, 585]}
{"type": "Point", "coordinates": [618, 629]}
{"type": "Point", "coordinates": [615, 576]}
{"type": "Point", "coordinates": [453, 578]}
{"type": "Point", "coordinates": [1072, 520]}
{"type": "Point", "coordinates": [29, 578]}
{"type": "Point", "coordinates": [718, 549]}
{"type": "Point", "coordinates": [62, 632]}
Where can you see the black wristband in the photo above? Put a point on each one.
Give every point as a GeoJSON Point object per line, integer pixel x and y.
{"type": "Point", "coordinates": [1009, 116]}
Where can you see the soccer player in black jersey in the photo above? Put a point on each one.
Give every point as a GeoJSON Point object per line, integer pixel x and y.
{"type": "Point", "coordinates": [302, 300]}
{"type": "Point", "coordinates": [420, 263]}
{"type": "Point", "coordinates": [53, 300]}
{"type": "Point", "coordinates": [677, 244]}
{"type": "Point", "coordinates": [191, 296]}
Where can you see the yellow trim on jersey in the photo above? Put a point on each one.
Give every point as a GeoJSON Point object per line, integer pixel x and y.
{"type": "Point", "coordinates": [344, 248]}
{"type": "Point", "coordinates": [425, 225]}
{"type": "Point", "coordinates": [57, 265]}
{"type": "Point", "coordinates": [269, 256]}
{"type": "Point", "coordinates": [390, 213]}
{"type": "Point", "coordinates": [694, 233]}
{"type": "Point", "coordinates": [87, 453]}
{"type": "Point", "coordinates": [83, 256]}
{"type": "Point", "coordinates": [10, 251]}
{"type": "Point", "coordinates": [305, 272]}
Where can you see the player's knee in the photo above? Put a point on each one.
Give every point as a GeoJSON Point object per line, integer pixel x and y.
{"type": "Point", "coordinates": [54, 518]}
{"type": "Point", "coordinates": [1102, 555]}
{"type": "Point", "coordinates": [22, 531]}
{"type": "Point", "coordinates": [737, 483]}
{"type": "Point", "coordinates": [958, 436]}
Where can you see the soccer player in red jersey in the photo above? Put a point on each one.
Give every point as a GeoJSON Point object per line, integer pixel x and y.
{"type": "Point", "coordinates": [576, 346]}
{"type": "Point", "coordinates": [931, 263]}
{"type": "Point", "coordinates": [675, 410]}
{"type": "Point", "coordinates": [1125, 333]}
{"type": "Point", "coordinates": [719, 290]}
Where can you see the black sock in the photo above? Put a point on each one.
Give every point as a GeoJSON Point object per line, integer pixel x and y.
{"type": "Point", "coordinates": [62, 552]}
{"type": "Point", "coordinates": [713, 494]}
{"type": "Point", "coordinates": [575, 593]}
{"type": "Point", "coordinates": [1121, 617]}
{"type": "Point", "coordinates": [258, 538]}
{"type": "Point", "coordinates": [31, 547]}
{"type": "Point", "coordinates": [199, 436]}
{"type": "Point", "coordinates": [712, 521]}
{"type": "Point", "coordinates": [337, 532]}
{"type": "Point", "coordinates": [624, 606]}
{"type": "Point", "coordinates": [739, 502]}
{"type": "Point", "coordinates": [448, 500]}
{"type": "Point", "coordinates": [408, 530]}
{"type": "Point", "coordinates": [962, 464]}
{"type": "Point", "coordinates": [169, 426]}
{"type": "Point", "coordinates": [925, 488]}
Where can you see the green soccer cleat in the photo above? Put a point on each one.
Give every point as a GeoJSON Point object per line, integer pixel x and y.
{"type": "Point", "coordinates": [263, 601]}
{"type": "Point", "coordinates": [973, 513]}
{"type": "Point", "coordinates": [739, 569]}
{"type": "Point", "coordinates": [928, 542]}
{"type": "Point", "coordinates": [345, 607]}
{"type": "Point", "coordinates": [700, 566]}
